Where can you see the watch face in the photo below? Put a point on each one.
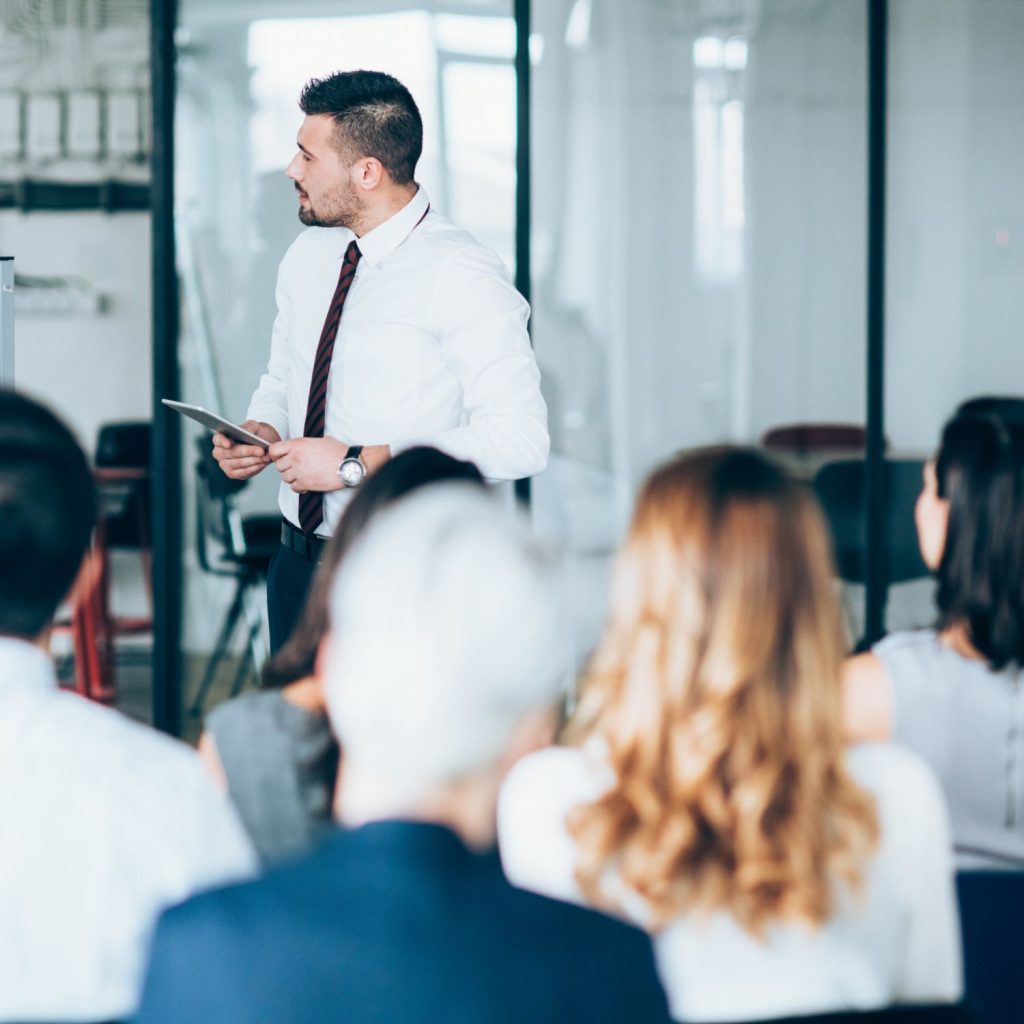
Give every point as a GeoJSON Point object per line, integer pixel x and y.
{"type": "Point", "coordinates": [351, 472]}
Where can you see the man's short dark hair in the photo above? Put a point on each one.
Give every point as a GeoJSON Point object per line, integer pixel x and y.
{"type": "Point", "coordinates": [375, 116]}
{"type": "Point", "coordinates": [47, 513]}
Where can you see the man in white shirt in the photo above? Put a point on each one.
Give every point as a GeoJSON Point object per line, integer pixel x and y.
{"type": "Point", "coordinates": [105, 822]}
{"type": "Point", "coordinates": [429, 342]}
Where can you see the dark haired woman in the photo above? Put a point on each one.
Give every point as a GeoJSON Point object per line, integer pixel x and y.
{"type": "Point", "coordinates": [273, 749]}
{"type": "Point", "coordinates": [955, 693]}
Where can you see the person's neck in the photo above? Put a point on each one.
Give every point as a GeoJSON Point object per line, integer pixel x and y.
{"type": "Point", "coordinates": [467, 806]}
{"type": "Point", "coordinates": [957, 637]}
{"type": "Point", "coordinates": [384, 207]}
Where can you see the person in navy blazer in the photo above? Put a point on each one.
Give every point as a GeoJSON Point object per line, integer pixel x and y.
{"type": "Point", "coordinates": [447, 652]}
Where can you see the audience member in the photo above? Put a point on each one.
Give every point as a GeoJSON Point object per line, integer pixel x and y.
{"type": "Point", "coordinates": [952, 693]}
{"type": "Point", "coordinates": [446, 653]}
{"type": "Point", "coordinates": [273, 749]}
{"type": "Point", "coordinates": [105, 822]}
{"type": "Point", "coordinates": [705, 792]}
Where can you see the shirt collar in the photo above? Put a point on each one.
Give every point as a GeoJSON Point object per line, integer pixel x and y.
{"type": "Point", "coordinates": [23, 666]}
{"type": "Point", "coordinates": [375, 245]}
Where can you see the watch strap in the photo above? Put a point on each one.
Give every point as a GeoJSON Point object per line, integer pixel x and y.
{"type": "Point", "coordinates": [354, 451]}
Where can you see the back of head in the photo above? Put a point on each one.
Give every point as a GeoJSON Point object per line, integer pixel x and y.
{"type": "Point", "coordinates": [408, 471]}
{"type": "Point", "coordinates": [979, 469]}
{"type": "Point", "coordinates": [448, 630]}
{"type": "Point", "coordinates": [375, 116]}
{"type": "Point", "coordinates": [715, 692]}
{"type": "Point", "coordinates": [47, 513]}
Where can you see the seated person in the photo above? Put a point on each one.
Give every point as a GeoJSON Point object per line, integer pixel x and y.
{"type": "Point", "coordinates": [705, 792]}
{"type": "Point", "coordinates": [105, 822]}
{"type": "Point", "coordinates": [447, 651]}
{"type": "Point", "coordinates": [952, 693]}
{"type": "Point", "coordinates": [273, 749]}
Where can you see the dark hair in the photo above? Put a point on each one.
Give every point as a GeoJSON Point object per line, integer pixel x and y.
{"type": "Point", "coordinates": [374, 115]}
{"type": "Point", "coordinates": [47, 514]}
{"type": "Point", "coordinates": [980, 470]}
{"type": "Point", "coordinates": [406, 472]}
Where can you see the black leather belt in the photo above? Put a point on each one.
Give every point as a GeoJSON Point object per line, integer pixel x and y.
{"type": "Point", "coordinates": [309, 548]}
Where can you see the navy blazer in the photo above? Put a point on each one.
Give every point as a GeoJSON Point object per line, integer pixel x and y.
{"type": "Point", "coordinates": [396, 922]}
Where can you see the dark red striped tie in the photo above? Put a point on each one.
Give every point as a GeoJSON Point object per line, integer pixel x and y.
{"type": "Point", "coordinates": [311, 504]}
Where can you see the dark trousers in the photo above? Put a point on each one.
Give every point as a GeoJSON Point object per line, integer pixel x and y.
{"type": "Point", "coordinates": [288, 583]}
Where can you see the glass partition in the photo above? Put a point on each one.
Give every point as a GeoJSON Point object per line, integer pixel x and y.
{"type": "Point", "coordinates": [956, 227]}
{"type": "Point", "coordinates": [698, 231]}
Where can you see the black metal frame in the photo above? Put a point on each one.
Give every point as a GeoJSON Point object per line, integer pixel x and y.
{"type": "Point", "coordinates": [166, 456]}
{"type": "Point", "coordinates": [876, 584]}
{"type": "Point", "coordinates": [524, 272]}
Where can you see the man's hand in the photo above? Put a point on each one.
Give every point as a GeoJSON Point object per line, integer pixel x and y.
{"type": "Point", "coordinates": [311, 463]}
{"type": "Point", "coordinates": [241, 461]}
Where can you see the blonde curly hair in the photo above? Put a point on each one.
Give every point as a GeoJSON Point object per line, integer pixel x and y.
{"type": "Point", "coordinates": [715, 695]}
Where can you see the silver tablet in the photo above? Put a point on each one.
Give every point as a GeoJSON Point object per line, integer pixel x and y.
{"type": "Point", "coordinates": [217, 423]}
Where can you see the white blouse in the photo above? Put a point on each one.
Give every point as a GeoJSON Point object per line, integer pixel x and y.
{"type": "Point", "coordinates": [898, 941]}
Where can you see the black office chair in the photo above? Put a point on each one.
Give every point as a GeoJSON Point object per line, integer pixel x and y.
{"type": "Point", "coordinates": [242, 548]}
{"type": "Point", "coordinates": [991, 912]}
{"type": "Point", "coordinates": [840, 489]}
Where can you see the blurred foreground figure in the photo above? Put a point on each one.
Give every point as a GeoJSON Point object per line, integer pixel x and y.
{"type": "Point", "coordinates": [105, 822]}
{"type": "Point", "coordinates": [706, 792]}
{"type": "Point", "coordinates": [447, 653]}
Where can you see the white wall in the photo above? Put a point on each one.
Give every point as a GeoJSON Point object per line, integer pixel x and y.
{"type": "Point", "coordinates": [91, 368]}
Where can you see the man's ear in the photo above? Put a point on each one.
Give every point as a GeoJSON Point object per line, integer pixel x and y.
{"type": "Point", "coordinates": [368, 173]}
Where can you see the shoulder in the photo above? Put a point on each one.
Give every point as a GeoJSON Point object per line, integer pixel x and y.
{"type": "Point", "coordinates": [908, 796]}
{"type": "Point", "coordinates": [537, 850]}
{"type": "Point", "coordinates": [239, 713]}
{"type": "Point", "coordinates": [621, 981]}
{"type": "Point", "coordinates": [535, 913]}
{"type": "Point", "coordinates": [130, 772]}
{"type": "Point", "coordinates": [239, 911]}
{"type": "Point", "coordinates": [459, 252]}
{"type": "Point", "coordinates": [313, 243]}
{"type": "Point", "coordinates": [110, 739]}
{"type": "Point", "coordinates": [914, 643]}
{"type": "Point", "coordinates": [553, 779]}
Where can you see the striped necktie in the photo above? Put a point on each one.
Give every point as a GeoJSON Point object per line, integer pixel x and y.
{"type": "Point", "coordinates": [311, 504]}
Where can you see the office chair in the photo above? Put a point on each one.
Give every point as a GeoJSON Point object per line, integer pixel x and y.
{"type": "Point", "coordinates": [839, 486]}
{"type": "Point", "coordinates": [807, 438]}
{"type": "Point", "coordinates": [242, 549]}
{"type": "Point", "coordinates": [991, 911]}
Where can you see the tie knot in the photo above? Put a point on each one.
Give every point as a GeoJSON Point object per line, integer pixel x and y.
{"type": "Point", "coordinates": [352, 253]}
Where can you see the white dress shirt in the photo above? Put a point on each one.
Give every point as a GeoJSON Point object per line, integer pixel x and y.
{"type": "Point", "coordinates": [104, 824]}
{"type": "Point", "coordinates": [431, 349]}
{"type": "Point", "coordinates": [897, 941]}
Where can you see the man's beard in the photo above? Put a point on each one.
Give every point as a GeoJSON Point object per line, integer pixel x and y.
{"type": "Point", "coordinates": [338, 209]}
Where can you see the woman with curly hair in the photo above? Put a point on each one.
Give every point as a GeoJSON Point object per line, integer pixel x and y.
{"type": "Point", "coordinates": [704, 790]}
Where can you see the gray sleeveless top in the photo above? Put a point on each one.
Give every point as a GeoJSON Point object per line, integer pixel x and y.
{"type": "Point", "coordinates": [967, 722]}
{"type": "Point", "coordinates": [280, 762]}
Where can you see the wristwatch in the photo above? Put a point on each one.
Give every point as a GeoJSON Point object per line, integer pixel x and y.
{"type": "Point", "coordinates": [352, 470]}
